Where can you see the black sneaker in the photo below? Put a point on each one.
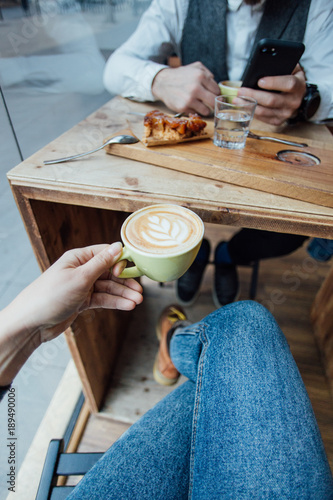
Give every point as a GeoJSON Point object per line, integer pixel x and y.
{"type": "Point", "coordinates": [226, 285]}
{"type": "Point", "coordinates": [188, 285]}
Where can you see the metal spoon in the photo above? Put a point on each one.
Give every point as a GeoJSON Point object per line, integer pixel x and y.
{"type": "Point", "coordinates": [177, 115]}
{"type": "Point", "coordinates": [275, 139]}
{"type": "Point", "coordinates": [119, 139]}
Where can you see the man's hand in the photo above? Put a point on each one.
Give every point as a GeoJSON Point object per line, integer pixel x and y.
{"type": "Point", "coordinates": [187, 89]}
{"type": "Point", "coordinates": [276, 108]}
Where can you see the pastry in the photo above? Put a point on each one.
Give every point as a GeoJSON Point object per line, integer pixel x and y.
{"type": "Point", "coordinates": [160, 128]}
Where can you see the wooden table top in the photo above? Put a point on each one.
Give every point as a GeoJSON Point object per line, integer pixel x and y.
{"type": "Point", "coordinates": [116, 183]}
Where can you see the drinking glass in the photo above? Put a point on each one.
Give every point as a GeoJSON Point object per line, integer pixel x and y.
{"type": "Point", "coordinates": [232, 119]}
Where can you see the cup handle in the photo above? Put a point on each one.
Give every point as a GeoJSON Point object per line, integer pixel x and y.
{"type": "Point", "coordinates": [128, 272]}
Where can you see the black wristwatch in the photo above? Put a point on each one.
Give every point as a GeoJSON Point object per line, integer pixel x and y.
{"type": "Point", "coordinates": [309, 106]}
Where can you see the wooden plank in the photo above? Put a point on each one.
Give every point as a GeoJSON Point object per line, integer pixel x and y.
{"type": "Point", "coordinates": [98, 180]}
{"type": "Point", "coordinates": [24, 207]}
{"type": "Point", "coordinates": [100, 433]}
{"type": "Point", "coordinates": [226, 207]}
{"type": "Point", "coordinates": [256, 166]}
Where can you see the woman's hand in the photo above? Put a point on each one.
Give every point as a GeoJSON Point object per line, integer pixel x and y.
{"type": "Point", "coordinates": [81, 279]}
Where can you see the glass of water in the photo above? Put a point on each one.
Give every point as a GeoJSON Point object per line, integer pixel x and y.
{"type": "Point", "coordinates": [232, 119]}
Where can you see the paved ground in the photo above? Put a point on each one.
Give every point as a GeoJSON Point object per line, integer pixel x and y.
{"type": "Point", "coordinates": [41, 109]}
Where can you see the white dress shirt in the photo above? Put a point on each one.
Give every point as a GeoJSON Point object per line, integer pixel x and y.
{"type": "Point", "coordinates": [131, 69]}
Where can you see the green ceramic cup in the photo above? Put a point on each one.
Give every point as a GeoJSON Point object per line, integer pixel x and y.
{"type": "Point", "coordinates": [230, 87]}
{"type": "Point", "coordinates": [162, 241]}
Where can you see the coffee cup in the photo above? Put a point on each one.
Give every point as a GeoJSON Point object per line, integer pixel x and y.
{"type": "Point", "coordinates": [161, 240]}
{"type": "Point", "coordinates": [230, 87]}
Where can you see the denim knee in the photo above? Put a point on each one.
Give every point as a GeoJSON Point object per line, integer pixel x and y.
{"type": "Point", "coordinates": [243, 319]}
{"type": "Point", "coordinates": [253, 310]}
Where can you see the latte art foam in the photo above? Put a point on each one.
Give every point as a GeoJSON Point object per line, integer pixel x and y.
{"type": "Point", "coordinates": [163, 229]}
{"type": "Point", "coordinates": [165, 233]}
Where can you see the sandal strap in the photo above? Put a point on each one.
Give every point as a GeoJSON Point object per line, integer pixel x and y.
{"type": "Point", "coordinates": [176, 315]}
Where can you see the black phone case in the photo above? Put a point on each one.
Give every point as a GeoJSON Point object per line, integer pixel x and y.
{"type": "Point", "coordinates": [271, 58]}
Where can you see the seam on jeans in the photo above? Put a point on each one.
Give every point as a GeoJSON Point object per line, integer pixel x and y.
{"type": "Point", "coordinates": [204, 340]}
{"type": "Point", "coordinates": [191, 329]}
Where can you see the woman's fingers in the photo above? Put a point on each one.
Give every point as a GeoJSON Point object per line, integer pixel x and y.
{"type": "Point", "coordinates": [108, 292]}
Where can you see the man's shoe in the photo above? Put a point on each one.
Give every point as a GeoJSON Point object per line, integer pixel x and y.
{"type": "Point", "coordinates": [165, 372]}
{"type": "Point", "coordinates": [226, 285]}
{"type": "Point", "coordinates": [188, 285]}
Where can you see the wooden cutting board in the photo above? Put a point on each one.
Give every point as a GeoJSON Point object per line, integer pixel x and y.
{"type": "Point", "coordinates": [256, 166]}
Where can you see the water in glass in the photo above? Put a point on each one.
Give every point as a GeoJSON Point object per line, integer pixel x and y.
{"type": "Point", "coordinates": [231, 128]}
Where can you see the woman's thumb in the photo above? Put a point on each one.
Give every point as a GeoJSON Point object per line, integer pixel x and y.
{"type": "Point", "coordinates": [103, 260]}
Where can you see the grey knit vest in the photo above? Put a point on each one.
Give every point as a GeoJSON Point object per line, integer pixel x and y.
{"type": "Point", "coordinates": [204, 33]}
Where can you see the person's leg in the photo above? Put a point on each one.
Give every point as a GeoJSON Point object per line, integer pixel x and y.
{"type": "Point", "coordinates": [151, 459]}
{"type": "Point", "coordinates": [249, 245]}
{"type": "Point", "coordinates": [254, 431]}
{"type": "Point", "coordinates": [244, 248]}
{"type": "Point", "coordinates": [188, 285]}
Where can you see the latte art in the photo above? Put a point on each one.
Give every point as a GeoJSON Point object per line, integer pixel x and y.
{"type": "Point", "coordinates": [163, 232]}
{"type": "Point", "coordinates": [163, 229]}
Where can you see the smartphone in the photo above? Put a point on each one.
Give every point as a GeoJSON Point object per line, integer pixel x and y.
{"type": "Point", "coordinates": [271, 58]}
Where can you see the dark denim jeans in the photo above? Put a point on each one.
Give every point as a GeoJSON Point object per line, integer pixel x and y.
{"type": "Point", "coordinates": [241, 427]}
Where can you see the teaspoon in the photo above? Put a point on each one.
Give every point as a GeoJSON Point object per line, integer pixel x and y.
{"type": "Point", "coordinates": [118, 139]}
{"type": "Point", "coordinates": [275, 139]}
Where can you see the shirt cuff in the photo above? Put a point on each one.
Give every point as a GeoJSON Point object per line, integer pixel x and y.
{"type": "Point", "coordinates": [144, 91]}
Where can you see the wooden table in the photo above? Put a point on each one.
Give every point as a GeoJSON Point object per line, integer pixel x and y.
{"type": "Point", "coordinates": [84, 202]}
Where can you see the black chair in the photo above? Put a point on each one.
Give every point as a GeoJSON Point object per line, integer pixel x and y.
{"type": "Point", "coordinates": [59, 463]}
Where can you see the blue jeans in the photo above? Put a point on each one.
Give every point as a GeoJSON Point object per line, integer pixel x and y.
{"type": "Point", "coordinates": [241, 427]}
